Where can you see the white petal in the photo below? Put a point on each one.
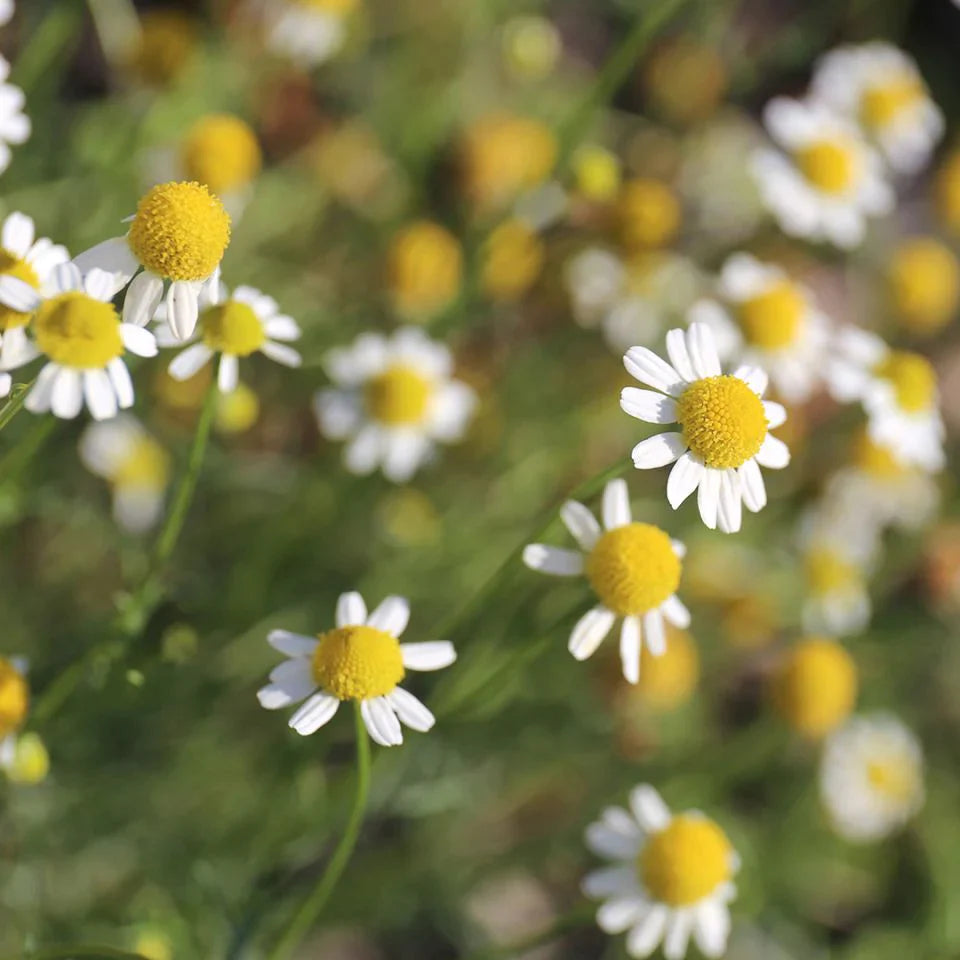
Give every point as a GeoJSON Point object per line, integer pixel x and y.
{"type": "Point", "coordinates": [114, 256]}
{"type": "Point", "coordinates": [644, 938]}
{"type": "Point", "coordinates": [677, 936]}
{"type": "Point", "coordinates": [122, 384]}
{"type": "Point", "coordinates": [776, 414]}
{"type": "Point", "coordinates": [67, 277]}
{"type": "Point", "coordinates": [142, 299]}
{"type": "Point", "coordinates": [712, 928]}
{"type": "Point", "coordinates": [391, 616]}
{"type": "Point", "coordinates": [381, 722]}
{"type": "Point", "coordinates": [658, 451]}
{"type": "Point", "coordinates": [182, 309]}
{"type": "Point", "coordinates": [553, 560]}
{"type": "Point", "coordinates": [99, 394]}
{"type": "Point", "coordinates": [617, 914]}
{"type": "Point", "coordinates": [616, 504]}
{"type": "Point", "coordinates": [755, 378]}
{"type": "Point", "coordinates": [581, 523]}
{"type": "Point", "coordinates": [589, 631]}
{"type": "Point", "coordinates": [751, 483]}
{"type": "Point", "coordinates": [186, 363]}
{"type": "Point", "coordinates": [644, 365]}
{"type": "Point", "coordinates": [674, 610]}
{"type": "Point", "coordinates": [679, 355]}
{"type": "Point", "coordinates": [773, 454]}
{"type": "Point", "coordinates": [38, 400]}
{"type": "Point", "coordinates": [609, 881]}
{"type": "Point", "coordinates": [410, 710]}
{"type": "Point", "coordinates": [137, 340]}
{"type": "Point", "coordinates": [295, 679]}
{"type": "Point", "coordinates": [351, 610]}
{"type": "Point", "coordinates": [648, 405]}
{"type": "Point", "coordinates": [649, 809]}
{"type": "Point", "coordinates": [703, 350]}
{"type": "Point", "coordinates": [228, 373]}
{"type": "Point", "coordinates": [282, 327]}
{"type": "Point", "coordinates": [729, 511]}
{"type": "Point", "coordinates": [654, 633]}
{"type": "Point", "coordinates": [404, 451]}
{"type": "Point", "coordinates": [17, 235]}
{"type": "Point", "coordinates": [432, 655]}
{"type": "Point", "coordinates": [281, 353]}
{"type": "Point", "coordinates": [102, 285]}
{"type": "Point", "coordinates": [684, 478]}
{"type": "Point", "coordinates": [66, 398]}
{"type": "Point", "coordinates": [292, 644]}
{"type": "Point", "coordinates": [363, 453]}
{"type": "Point", "coordinates": [630, 636]}
{"type": "Point", "coordinates": [18, 295]}
{"type": "Point", "coordinates": [317, 711]}
{"type": "Point", "coordinates": [708, 497]}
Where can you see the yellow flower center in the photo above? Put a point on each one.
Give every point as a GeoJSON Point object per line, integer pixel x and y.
{"type": "Point", "coordinates": [686, 861]}
{"type": "Point", "coordinates": [232, 328]}
{"type": "Point", "coordinates": [424, 266]}
{"type": "Point", "coordinates": [146, 465]}
{"type": "Point", "coordinates": [948, 191]}
{"type": "Point", "coordinates": [667, 681]}
{"type": "Point", "coordinates": [76, 330]}
{"type": "Point", "coordinates": [816, 686]}
{"type": "Point", "coordinates": [633, 569]}
{"type": "Point", "coordinates": [338, 8]}
{"type": "Point", "coordinates": [168, 39]}
{"type": "Point", "coordinates": [238, 410]}
{"type": "Point", "coordinates": [180, 231]}
{"type": "Point", "coordinates": [14, 698]}
{"type": "Point", "coordinates": [771, 320]}
{"type": "Point", "coordinates": [597, 173]}
{"type": "Point", "coordinates": [830, 165]}
{"type": "Point", "coordinates": [895, 778]}
{"type": "Point", "coordinates": [723, 421]}
{"type": "Point", "coordinates": [925, 284]}
{"type": "Point", "coordinates": [828, 571]}
{"type": "Point", "coordinates": [11, 266]}
{"type": "Point", "coordinates": [357, 663]}
{"type": "Point", "coordinates": [512, 262]}
{"type": "Point", "coordinates": [875, 460]}
{"type": "Point", "coordinates": [913, 378]}
{"type": "Point", "coordinates": [222, 152]}
{"type": "Point", "coordinates": [399, 396]}
{"type": "Point", "coordinates": [31, 762]}
{"type": "Point", "coordinates": [880, 105]}
{"type": "Point", "coordinates": [649, 212]}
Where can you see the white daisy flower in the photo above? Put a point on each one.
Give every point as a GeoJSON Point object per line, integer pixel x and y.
{"type": "Point", "coordinates": [671, 877]}
{"type": "Point", "coordinates": [178, 235]}
{"type": "Point", "coordinates": [135, 465]}
{"type": "Point", "coordinates": [724, 425]}
{"type": "Point", "coordinates": [871, 777]}
{"type": "Point", "coordinates": [77, 328]}
{"type": "Point", "coordinates": [634, 570]}
{"type": "Point", "coordinates": [360, 659]}
{"type": "Point", "coordinates": [767, 320]}
{"type": "Point", "coordinates": [880, 87]}
{"type": "Point", "coordinates": [898, 391]}
{"type": "Point", "coordinates": [14, 123]}
{"type": "Point", "coordinates": [233, 325]}
{"type": "Point", "coordinates": [394, 399]}
{"type": "Point", "coordinates": [827, 181]}
{"type": "Point", "coordinates": [308, 32]}
{"type": "Point", "coordinates": [14, 704]}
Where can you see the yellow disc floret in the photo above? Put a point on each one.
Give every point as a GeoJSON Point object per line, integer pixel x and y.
{"type": "Point", "coordinates": [336, 8]}
{"type": "Point", "coordinates": [75, 330]}
{"type": "Point", "coordinates": [882, 104]}
{"type": "Point", "coordinates": [723, 421]}
{"type": "Point", "coordinates": [829, 571]}
{"type": "Point", "coordinates": [232, 328]}
{"type": "Point", "coordinates": [686, 861]}
{"type": "Point", "coordinates": [11, 266]}
{"type": "Point", "coordinates": [167, 42]}
{"type": "Point", "coordinates": [771, 320]}
{"type": "Point", "coordinates": [830, 165]}
{"type": "Point", "coordinates": [816, 686]}
{"type": "Point", "coordinates": [424, 266]}
{"type": "Point", "coordinates": [238, 410]}
{"type": "Point", "coordinates": [896, 777]}
{"type": "Point", "coordinates": [667, 681]}
{"type": "Point", "coordinates": [14, 698]}
{"type": "Point", "coordinates": [399, 396]}
{"type": "Point", "coordinates": [146, 465]}
{"type": "Point", "coordinates": [925, 284]}
{"type": "Point", "coordinates": [222, 152]}
{"type": "Point", "coordinates": [876, 460]}
{"type": "Point", "coordinates": [513, 258]}
{"type": "Point", "coordinates": [597, 173]}
{"type": "Point", "coordinates": [31, 761]}
{"type": "Point", "coordinates": [649, 214]}
{"type": "Point", "coordinates": [180, 231]}
{"type": "Point", "coordinates": [913, 379]}
{"type": "Point", "coordinates": [633, 568]}
{"type": "Point", "coordinates": [357, 663]}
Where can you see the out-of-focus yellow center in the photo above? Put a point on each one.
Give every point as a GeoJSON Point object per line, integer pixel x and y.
{"type": "Point", "coordinates": [723, 421]}
{"type": "Point", "coordinates": [512, 262]}
{"type": "Point", "coordinates": [424, 266]}
{"type": "Point", "coordinates": [238, 410]}
{"type": "Point", "coordinates": [925, 284]}
{"type": "Point", "coordinates": [649, 214]}
{"type": "Point", "coordinates": [876, 460]}
{"type": "Point", "coordinates": [399, 396]}
{"type": "Point", "coordinates": [14, 698]}
{"type": "Point", "coordinates": [180, 231]}
{"type": "Point", "coordinates": [816, 686]}
{"type": "Point", "coordinates": [828, 571]}
{"type": "Point", "coordinates": [146, 464]}
{"type": "Point", "coordinates": [667, 681]}
{"type": "Point", "coordinates": [913, 379]}
{"type": "Point", "coordinates": [948, 191]}
{"type": "Point", "coordinates": [222, 152]}
{"type": "Point", "coordinates": [633, 568]}
{"type": "Point", "coordinates": [167, 41]}
{"type": "Point", "coordinates": [895, 778]}
{"type": "Point", "coordinates": [357, 663]}
{"type": "Point", "coordinates": [11, 266]}
{"type": "Point", "coordinates": [881, 104]}
{"type": "Point", "coordinates": [337, 8]}
{"type": "Point", "coordinates": [31, 761]}
{"type": "Point", "coordinates": [232, 328]}
{"type": "Point", "coordinates": [686, 861]}
{"type": "Point", "coordinates": [597, 173]}
{"type": "Point", "coordinates": [76, 330]}
{"type": "Point", "coordinates": [830, 165]}
{"type": "Point", "coordinates": [771, 320]}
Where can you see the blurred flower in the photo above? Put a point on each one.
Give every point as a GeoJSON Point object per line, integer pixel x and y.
{"type": "Point", "coordinates": [183, 397]}
{"type": "Point", "coordinates": [513, 256]}
{"type": "Point", "coordinates": [724, 438]}
{"type": "Point", "coordinates": [237, 411]}
{"type": "Point", "coordinates": [360, 659]}
{"type": "Point", "coordinates": [947, 190]}
{"type": "Point", "coordinates": [77, 328]}
{"type": "Point", "coordinates": [14, 704]}
{"type": "Point", "coordinates": [750, 621]}
{"type": "Point", "coordinates": [815, 686]}
{"type": "Point", "coordinates": [685, 80]}
{"type": "Point", "coordinates": [178, 235]}
{"type": "Point", "coordinates": [502, 155]}
{"type": "Point", "coordinates": [596, 173]}
{"type": "Point", "coordinates": [31, 760]}
{"type": "Point", "coordinates": [424, 268]}
{"type": "Point", "coordinates": [233, 325]}
{"type": "Point", "coordinates": [179, 643]}
{"type": "Point", "coordinates": [924, 279]}
{"type": "Point", "coordinates": [14, 123]}
{"type": "Point", "coordinates": [649, 213]}
{"type": "Point", "coordinates": [667, 681]}
{"type": "Point", "coordinates": [308, 32]}
{"type": "Point", "coordinates": [942, 567]}
{"type": "Point", "coordinates": [395, 399]}
{"type": "Point", "coordinates": [871, 777]}
{"type": "Point", "coordinates": [770, 321]}
{"type": "Point", "coordinates": [409, 517]}
{"type": "Point", "coordinates": [633, 569]}
{"type": "Point", "coordinates": [672, 877]}
{"type": "Point", "coordinates": [136, 466]}
{"type": "Point", "coordinates": [153, 944]}
{"type": "Point", "coordinates": [879, 87]}
{"type": "Point", "coordinates": [828, 182]}
{"type": "Point", "coordinates": [531, 47]}
{"type": "Point", "coordinates": [7, 9]}
{"type": "Point", "coordinates": [595, 280]}
{"type": "Point", "coordinates": [167, 42]}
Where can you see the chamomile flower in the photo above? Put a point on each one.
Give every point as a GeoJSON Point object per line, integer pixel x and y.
{"type": "Point", "coordinates": [880, 87]}
{"type": "Point", "coordinates": [76, 327]}
{"type": "Point", "coordinates": [233, 325]}
{"type": "Point", "coordinates": [827, 180]}
{"type": "Point", "coordinates": [178, 235]}
{"type": "Point", "coordinates": [14, 704]}
{"type": "Point", "coordinates": [308, 32]}
{"type": "Point", "coordinates": [14, 123]}
{"type": "Point", "coordinates": [633, 569]}
{"type": "Point", "coordinates": [360, 659]}
{"type": "Point", "coordinates": [395, 400]}
{"type": "Point", "coordinates": [671, 877]}
{"type": "Point", "coordinates": [135, 465]}
{"type": "Point", "coordinates": [25, 259]}
{"type": "Point", "coordinates": [871, 777]}
{"type": "Point", "coordinates": [724, 423]}
{"type": "Point", "coordinates": [424, 269]}
{"type": "Point", "coordinates": [767, 320]}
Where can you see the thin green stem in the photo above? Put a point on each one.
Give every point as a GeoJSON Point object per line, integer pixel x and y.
{"type": "Point", "coordinates": [47, 43]}
{"type": "Point", "coordinates": [65, 953]}
{"type": "Point", "coordinates": [20, 455]}
{"type": "Point", "coordinates": [310, 909]}
{"type": "Point", "coordinates": [15, 402]}
{"type": "Point", "coordinates": [578, 917]}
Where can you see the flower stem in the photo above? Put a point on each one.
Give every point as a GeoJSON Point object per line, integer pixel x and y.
{"type": "Point", "coordinates": [14, 404]}
{"type": "Point", "coordinates": [310, 908]}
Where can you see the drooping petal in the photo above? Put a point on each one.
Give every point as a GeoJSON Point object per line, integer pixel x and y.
{"type": "Point", "coordinates": [381, 722]}
{"type": "Point", "coordinates": [410, 710]}
{"type": "Point", "coordinates": [143, 297]}
{"type": "Point", "coordinates": [645, 937]}
{"type": "Point", "coordinates": [99, 394]}
{"type": "Point", "coordinates": [228, 373]}
{"type": "Point", "coordinates": [675, 610]}
{"type": "Point", "coordinates": [654, 633]}
{"type": "Point", "coordinates": [189, 361]}
{"type": "Point", "coordinates": [317, 711]}
{"type": "Point", "coordinates": [708, 497]}
{"type": "Point", "coordinates": [752, 485]}
{"type": "Point", "coordinates": [630, 637]}
{"type": "Point", "coordinates": [66, 398]}
{"type": "Point", "coordinates": [729, 511]}
{"type": "Point", "coordinates": [773, 454]}
{"type": "Point", "coordinates": [589, 631]}
{"type": "Point", "coordinates": [776, 414]}
{"type": "Point", "coordinates": [684, 478]}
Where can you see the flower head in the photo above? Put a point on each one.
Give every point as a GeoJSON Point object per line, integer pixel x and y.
{"type": "Point", "coordinates": [308, 32]}
{"type": "Point", "coordinates": [924, 278]}
{"type": "Point", "coordinates": [649, 214]}
{"type": "Point", "coordinates": [222, 152]}
{"type": "Point", "coordinates": [167, 42]}
{"type": "Point", "coordinates": [14, 706]}
{"type": "Point", "coordinates": [424, 268]}
{"type": "Point", "coordinates": [513, 257]}
{"type": "Point", "coordinates": [15, 125]}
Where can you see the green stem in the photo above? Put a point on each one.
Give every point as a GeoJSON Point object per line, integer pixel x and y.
{"type": "Point", "coordinates": [47, 43]}
{"type": "Point", "coordinates": [15, 402]}
{"type": "Point", "coordinates": [578, 917]}
{"type": "Point", "coordinates": [304, 918]}
{"type": "Point", "coordinates": [23, 451]}
{"type": "Point", "coordinates": [95, 953]}
{"type": "Point", "coordinates": [118, 27]}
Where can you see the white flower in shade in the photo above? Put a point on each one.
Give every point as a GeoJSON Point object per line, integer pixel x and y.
{"type": "Point", "coordinates": [595, 279]}
{"type": "Point", "coordinates": [871, 777]}
{"type": "Point", "coordinates": [360, 659]}
{"type": "Point", "coordinates": [6, 12]}
{"type": "Point", "coordinates": [671, 877]}
{"type": "Point", "coordinates": [134, 464]}
{"type": "Point", "coordinates": [880, 87]}
{"type": "Point", "coordinates": [634, 570]}
{"type": "Point", "coordinates": [78, 330]}
{"type": "Point", "coordinates": [765, 319]}
{"type": "Point", "coordinates": [14, 704]}
{"type": "Point", "coordinates": [724, 425]}
{"type": "Point", "coordinates": [233, 326]}
{"type": "Point", "coordinates": [308, 32]}
{"type": "Point", "coordinates": [394, 399]}
{"type": "Point", "coordinates": [14, 123]}
{"type": "Point", "coordinates": [178, 235]}
{"type": "Point", "coordinates": [827, 180]}
{"type": "Point", "coordinates": [898, 391]}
